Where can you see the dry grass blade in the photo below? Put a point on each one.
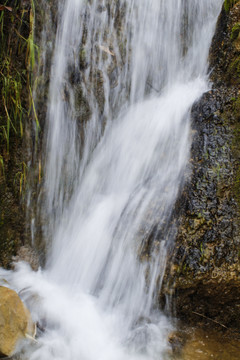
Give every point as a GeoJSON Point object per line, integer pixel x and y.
{"type": "Point", "coordinates": [106, 50]}
{"type": "Point", "coordinates": [3, 7]}
{"type": "Point", "coordinates": [216, 322]}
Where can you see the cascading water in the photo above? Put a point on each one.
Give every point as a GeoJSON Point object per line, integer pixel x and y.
{"type": "Point", "coordinates": [136, 68]}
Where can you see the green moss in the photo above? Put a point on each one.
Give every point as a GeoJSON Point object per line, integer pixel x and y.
{"type": "Point", "coordinates": [235, 31]}
{"type": "Point", "coordinates": [236, 109]}
{"type": "Point", "coordinates": [82, 58]}
{"type": "Point", "coordinates": [233, 72]}
{"type": "Point", "coordinates": [236, 149]}
{"type": "Point", "coordinates": [228, 4]}
{"type": "Point", "coordinates": [236, 188]}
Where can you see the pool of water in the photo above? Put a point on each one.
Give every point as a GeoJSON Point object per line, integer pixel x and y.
{"type": "Point", "coordinates": [208, 344]}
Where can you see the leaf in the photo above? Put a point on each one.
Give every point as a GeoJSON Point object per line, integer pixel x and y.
{"type": "Point", "coordinates": [3, 7]}
{"type": "Point", "coordinates": [106, 50]}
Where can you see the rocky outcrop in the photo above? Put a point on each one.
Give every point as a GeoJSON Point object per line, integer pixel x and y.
{"type": "Point", "coordinates": [205, 271]}
{"type": "Point", "coordinates": [15, 321]}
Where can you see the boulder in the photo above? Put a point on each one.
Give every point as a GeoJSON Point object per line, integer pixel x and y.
{"type": "Point", "coordinates": [15, 321]}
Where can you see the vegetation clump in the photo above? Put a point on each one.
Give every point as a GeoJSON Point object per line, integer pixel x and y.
{"type": "Point", "coordinates": [228, 4]}
{"type": "Point", "coordinates": [233, 71]}
{"type": "Point", "coordinates": [16, 65]}
{"type": "Point", "coordinates": [236, 149]}
{"type": "Point", "coordinates": [235, 31]}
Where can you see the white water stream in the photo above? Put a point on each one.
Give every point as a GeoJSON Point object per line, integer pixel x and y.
{"type": "Point", "coordinates": [111, 181]}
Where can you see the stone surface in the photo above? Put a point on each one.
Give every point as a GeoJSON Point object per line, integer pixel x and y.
{"type": "Point", "coordinates": [27, 254]}
{"type": "Point", "coordinates": [204, 275]}
{"type": "Point", "coordinates": [15, 321]}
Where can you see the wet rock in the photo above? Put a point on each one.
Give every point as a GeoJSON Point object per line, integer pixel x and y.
{"type": "Point", "coordinates": [27, 254]}
{"type": "Point", "coordinates": [15, 321]}
{"type": "Point", "coordinates": [205, 269]}
{"type": "Point", "coordinates": [177, 340]}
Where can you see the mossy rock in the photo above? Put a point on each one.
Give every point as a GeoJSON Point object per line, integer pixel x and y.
{"type": "Point", "coordinates": [236, 149]}
{"type": "Point", "coordinates": [233, 71]}
{"type": "Point", "coordinates": [235, 31]}
{"type": "Point", "coordinates": [228, 4]}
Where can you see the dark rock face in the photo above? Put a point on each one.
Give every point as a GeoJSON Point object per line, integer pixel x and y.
{"type": "Point", "coordinates": [205, 270]}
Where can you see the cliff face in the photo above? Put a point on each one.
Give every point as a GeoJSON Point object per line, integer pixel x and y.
{"type": "Point", "coordinates": [16, 65]}
{"type": "Point", "coordinates": [205, 272]}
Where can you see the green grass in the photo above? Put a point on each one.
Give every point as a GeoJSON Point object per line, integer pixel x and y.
{"type": "Point", "coordinates": [228, 4]}
{"type": "Point", "coordinates": [18, 57]}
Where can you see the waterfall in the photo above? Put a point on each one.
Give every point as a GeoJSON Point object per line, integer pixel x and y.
{"type": "Point", "coordinates": [124, 77]}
